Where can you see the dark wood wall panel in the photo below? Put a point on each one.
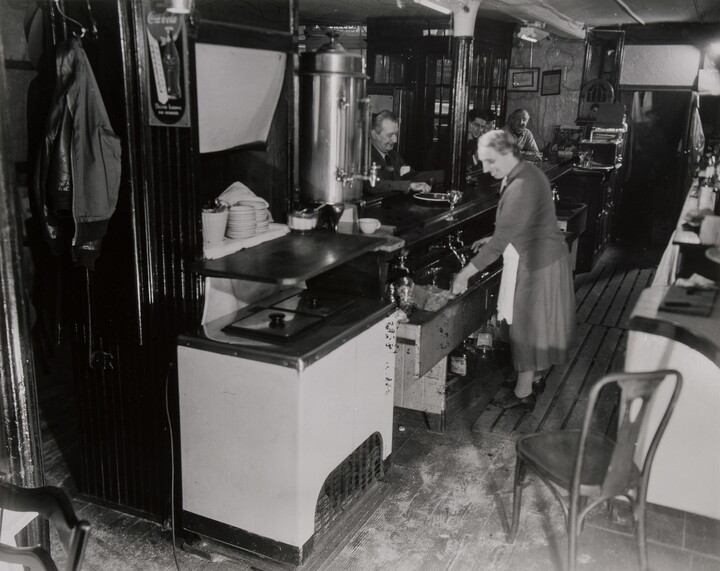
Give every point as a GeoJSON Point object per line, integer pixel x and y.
{"type": "Point", "coordinates": [141, 294]}
{"type": "Point", "coordinates": [126, 314]}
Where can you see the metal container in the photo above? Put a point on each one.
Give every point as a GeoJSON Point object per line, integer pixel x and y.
{"type": "Point", "coordinates": [334, 126]}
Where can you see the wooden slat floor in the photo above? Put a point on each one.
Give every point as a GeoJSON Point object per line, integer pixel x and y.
{"type": "Point", "coordinates": [604, 300]}
{"type": "Point", "coordinates": [445, 503]}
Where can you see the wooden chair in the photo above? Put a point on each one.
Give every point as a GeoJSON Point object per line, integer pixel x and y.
{"type": "Point", "coordinates": [51, 503]}
{"type": "Point", "coordinates": [592, 467]}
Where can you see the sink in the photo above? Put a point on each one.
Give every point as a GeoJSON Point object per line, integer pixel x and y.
{"type": "Point", "coordinates": [572, 216]}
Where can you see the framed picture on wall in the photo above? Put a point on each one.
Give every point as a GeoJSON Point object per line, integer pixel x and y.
{"type": "Point", "coordinates": [551, 81]}
{"type": "Point", "coordinates": [523, 79]}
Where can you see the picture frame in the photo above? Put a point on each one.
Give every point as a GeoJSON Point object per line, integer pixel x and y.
{"type": "Point", "coordinates": [523, 78]}
{"type": "Point", "coordinates": [551, 82]}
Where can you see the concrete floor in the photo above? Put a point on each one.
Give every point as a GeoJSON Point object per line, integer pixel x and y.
{"type": "Point", "coordinates": [445, 503]}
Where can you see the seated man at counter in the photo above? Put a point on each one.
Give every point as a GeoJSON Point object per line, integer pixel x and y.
{"type": "Point", "coordinates": [524, 139]}
{"type": "Point", "coordinates": [383, 138]}
{"type": "Point", "coordinates": [479, 123]}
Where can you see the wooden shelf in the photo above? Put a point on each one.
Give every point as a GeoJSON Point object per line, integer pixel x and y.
{"type": "Point", "coordinates": [290, 259]}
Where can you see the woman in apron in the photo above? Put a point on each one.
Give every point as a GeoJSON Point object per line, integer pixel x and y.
{"type": "Point", "coordinates": [537, 296]}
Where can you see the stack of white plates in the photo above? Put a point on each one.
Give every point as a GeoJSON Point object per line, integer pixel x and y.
{"type": "Point", "coordinates": [241, 222]}
{"type": "Point", "coordinates": [262, 218]}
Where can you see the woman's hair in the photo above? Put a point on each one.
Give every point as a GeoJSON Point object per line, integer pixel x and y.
{"type": "Point", "coordinates": [499, 140]}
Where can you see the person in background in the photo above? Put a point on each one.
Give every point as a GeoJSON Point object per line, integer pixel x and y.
{"type": "Point", "coordinates": [524, 139]}
{"type": "Point", "coordinates": [479, 123]}
{"type": "Point", "coordinates": [383, 138]}
{"type": "Point", "coordinates": [536, 296]}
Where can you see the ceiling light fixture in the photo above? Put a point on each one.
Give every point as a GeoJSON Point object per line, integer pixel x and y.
{"type": "Point", "coordinates": [533, 32]}
{"type": "Point", "coordinates": [434, 6]}
{"type": "Point", "coordinates": [179, 6]}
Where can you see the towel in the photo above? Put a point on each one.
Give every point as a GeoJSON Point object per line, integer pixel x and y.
{"type": "Point", "coordinates": [697, 136]}
{"type": "Point", "coordinates": [237, 192]}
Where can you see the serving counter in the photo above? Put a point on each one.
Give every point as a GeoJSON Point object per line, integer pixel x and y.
{"type": "Point", "coordinates": [686, 470]}
{"type": "Point", "coordinates": [435, 252]}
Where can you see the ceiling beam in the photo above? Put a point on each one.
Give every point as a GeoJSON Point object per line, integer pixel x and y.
{"type": "Point", "coordinates": [556, 21]}
{"type": "Point", "coordinates": [630, 12]}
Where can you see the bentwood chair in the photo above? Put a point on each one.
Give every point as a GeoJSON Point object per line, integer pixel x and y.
{"type": "Point", "coordinates": [584, 468]}
{"type": "Point", "coordinates": [53, 504]}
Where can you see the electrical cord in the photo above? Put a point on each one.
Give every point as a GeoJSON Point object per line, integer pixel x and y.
{"type": "Point", "coordinates": [172, 467]}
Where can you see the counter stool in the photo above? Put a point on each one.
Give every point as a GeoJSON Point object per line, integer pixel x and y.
{"type": "Point", "coordinates": [592, 467]}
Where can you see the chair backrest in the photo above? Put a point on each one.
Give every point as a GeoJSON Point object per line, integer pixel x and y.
{"type": "Point", "coordinates": [53, 504]}
{"type": "Point", "coordinates": [634, 423]}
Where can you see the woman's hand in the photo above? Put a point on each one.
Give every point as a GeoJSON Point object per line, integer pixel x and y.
{"type": "Point", "coordinates": [460, 283]}
{"type": "Point", "coordinates": [477, 244]}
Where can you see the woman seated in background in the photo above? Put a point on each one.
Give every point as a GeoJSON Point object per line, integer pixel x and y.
{"type": "Point", "coordinates": [537, 297]}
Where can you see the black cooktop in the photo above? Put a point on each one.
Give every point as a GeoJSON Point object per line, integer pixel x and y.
{"type": "Point", "coordinates": [322, 304]}
{"type": "Point", "coordinates": [284, 317]}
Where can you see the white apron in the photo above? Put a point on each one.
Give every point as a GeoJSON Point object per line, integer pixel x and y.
{"type": "Point", "coordinates": [506, 297]}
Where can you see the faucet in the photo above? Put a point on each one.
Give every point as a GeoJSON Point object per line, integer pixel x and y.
{"type": "Point", "coordinates": [454, 245]}
{"type": "Point", "coordinates": [555, 193]}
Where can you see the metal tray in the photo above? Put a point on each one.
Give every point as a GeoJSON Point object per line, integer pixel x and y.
{"type": "Point", "coordinates": [432, 196]}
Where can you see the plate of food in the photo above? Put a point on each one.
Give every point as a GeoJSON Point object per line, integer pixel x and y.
{"type": "Point", "coordinates": [433, 196]}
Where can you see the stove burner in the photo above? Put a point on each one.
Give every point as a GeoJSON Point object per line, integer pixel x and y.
{"type": "Point", "coordinates": [272, 325]}
{"type": "Point", "coordinates": [315, 303]}
{"type": "Point", "coordinates": [277, 320]}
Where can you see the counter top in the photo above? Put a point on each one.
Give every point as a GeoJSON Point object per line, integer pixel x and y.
{"type": "Point", "coordinates": [416, 221]}
{"type": "Point", "coordinates": [699, 333]}
{"type": "Point", "coordinates": [291, 259]}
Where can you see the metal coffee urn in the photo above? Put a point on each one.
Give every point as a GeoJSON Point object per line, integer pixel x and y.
{"type": "Point", "coordinates": [333, 131]}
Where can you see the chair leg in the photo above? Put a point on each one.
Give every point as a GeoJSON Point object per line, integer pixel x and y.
{"type": "Point", "coordinates": [582, 502]}
{"type": "Point", "coordinates": [640, 530]}
{"type": "Point", "coordinates": [572, 533]}
{"type": "Point", "coordinates": [517, 498]}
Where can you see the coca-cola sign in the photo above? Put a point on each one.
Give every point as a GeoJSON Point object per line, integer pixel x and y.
{"type": "Point", "coordinates": [167, 70]}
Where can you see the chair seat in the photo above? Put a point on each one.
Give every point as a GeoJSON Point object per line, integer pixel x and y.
{"type": "Point", "coordinates": [553, 455]}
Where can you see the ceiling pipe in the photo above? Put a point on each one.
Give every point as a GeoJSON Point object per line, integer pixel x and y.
{"type": "Point", "coordinates": [463, 24]}
{"type": "Point", "coordinates": [630, 12]}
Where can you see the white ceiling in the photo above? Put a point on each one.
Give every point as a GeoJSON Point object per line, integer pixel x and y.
{"type": "Point", "coordinates": [563, 17]}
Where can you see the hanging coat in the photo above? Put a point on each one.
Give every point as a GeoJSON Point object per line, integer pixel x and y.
{"type": "Point", "coordinates": [77, 173]}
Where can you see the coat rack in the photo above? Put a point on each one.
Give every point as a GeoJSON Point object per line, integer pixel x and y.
{"type": "Point", "coordinates": [83, 30]}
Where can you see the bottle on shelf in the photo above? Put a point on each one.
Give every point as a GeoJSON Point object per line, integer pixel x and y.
{"type": "Point", "coordinates": [404, 283]}
{"type": "Point", "coordinates": [463, 358]}
{"type": "Point", "coordinates": [706, 192]}
{"type": "Point", "coordinates": [484, 341]}
{"type": "Point", "coordinates": [707, 166]}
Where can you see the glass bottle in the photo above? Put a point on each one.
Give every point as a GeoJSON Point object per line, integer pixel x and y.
{"type": "Point", "coordinates": [463, 358]}
{"type": "Point", "coordinates": [484, 342]}
{"type": "Point", "coordinates": [404, 283]}
{"type": "Point", "coordinates": [171, 66]}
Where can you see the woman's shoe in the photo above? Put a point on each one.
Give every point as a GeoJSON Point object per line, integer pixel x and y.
{"type": "Point", "coordinates": [511, 400]}
{"type": "Point", "coordinates": [538, 385]}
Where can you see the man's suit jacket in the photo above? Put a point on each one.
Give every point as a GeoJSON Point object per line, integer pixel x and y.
{"type": "Point", "coordinates": [391, 171]}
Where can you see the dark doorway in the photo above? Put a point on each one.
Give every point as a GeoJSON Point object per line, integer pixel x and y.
{"type": "Point", "coordinates": [657, 164]}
